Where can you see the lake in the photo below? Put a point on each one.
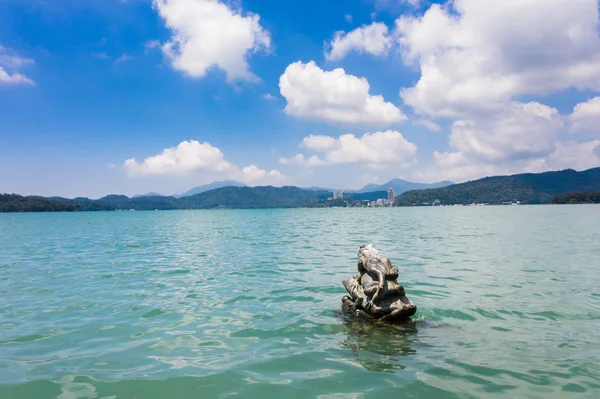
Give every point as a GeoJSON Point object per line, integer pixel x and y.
{"type": "Point", "coordinates": [245, 303]}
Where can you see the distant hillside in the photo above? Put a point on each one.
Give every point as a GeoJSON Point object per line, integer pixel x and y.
{"type": "Point", "coordinates": [18, 203]}
{"type": "Point", "coordinates": [400, 186]}
{"type": "Point", "coordinates": [528, 188]}
{"type": "Point", "coordinates": [150, 194]}
{"type": "Point", "coordinates": [225, 197]}
{"type": "Point", "coordinates": [253, 197]}
{"type": "Point", "coordinates": [210, 186]}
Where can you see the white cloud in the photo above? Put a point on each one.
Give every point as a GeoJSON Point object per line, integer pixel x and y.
{"type": "Point", "coordinates": [477, 55]}
{"type": "Point", "coordinates": [252, 174]}
{"type": "Point", "coordinates": [459, 167]}
{"type": "Point", "coordinates": [301, 160]}
{"type": "Point", "coordinates": [209, 34]}
{"type": "Point", "coordinates": [193, 156]}
{"type": "Point", "coordinates": [348, 18]}
{"type": "Point", "coordinates": [586, 117]}
{"type": "Point", "coordinates": [334, 97]}
{"type": "Point", "coordinates": [374, 149]}
{"type": "Point", "coordinates": [268, 96]}
{"type": "Point", "coordinates": [10, 63]}
{"type": "Point", "coordinates": [429, 124]}
{"type": "Point", "coordinates": [372, 39]}
{"type": "Point", "coordinates": [13, 78]}
{"type": "Point", "coordinates": [523, 137]}
{"type": "Point", "coordinates": [521, 131]}
{"type": "Point", "coordinates": [9, 59]}
{"type": "Point", "coordinates": [454, 166]}
{"type": "Point", "coordinates": [570, 154]}
{"type": "Point", "coordinates": [188, 156]}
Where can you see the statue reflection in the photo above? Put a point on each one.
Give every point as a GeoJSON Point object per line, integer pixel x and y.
{"type": "Point", "coordinates": [388, 342]}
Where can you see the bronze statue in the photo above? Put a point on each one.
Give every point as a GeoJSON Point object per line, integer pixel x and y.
{"type": "Point", "coordinates": [375, 292]}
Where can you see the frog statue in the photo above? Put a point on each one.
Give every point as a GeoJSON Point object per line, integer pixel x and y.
{"type": "Point", "coordinates": [375, 292]}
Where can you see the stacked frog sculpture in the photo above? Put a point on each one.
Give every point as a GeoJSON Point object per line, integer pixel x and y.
{"type": "Point", "coordinates": [375, 293]}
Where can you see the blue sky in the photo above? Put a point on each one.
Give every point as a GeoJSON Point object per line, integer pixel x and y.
{"type": "Point", "coordinates": [114, 96]}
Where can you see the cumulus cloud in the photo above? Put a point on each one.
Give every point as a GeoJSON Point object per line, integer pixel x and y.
{"type": "Point", "coordinates": [186, 157]}
{"type": "Point", "coordinates": [268, 96]}
{"type": "Point", "coordinates": [301, 160]}
{"type": "Point", "coordinates": [373, 39]}
{"type": "Point", "coordinates": [334, 96]}
{"type": "Point", "coordinates": [476, 55]}
{"type": "Point", "coordinates": [523, 137]}
{"type": "Point", "coordinates": [193, 156]}
{"type": "Point", "coordinates": [521, 131]}
{"type": "Point", "coordinates": [586, 117]}
{"type": "Point", "coordinates": [10, 64]}
{"type": "Point", "coordinates": [210, 34]}
{"type": "Point", "coordinates": [253, 173]}
{"type": "Point", "coordinates": [570, 154]}
{"type": "Point", "coordinates": [374, 149]}
{"type": "Point", "coordinates": [458, 167]}
{"type": "Point", "coordinates": [454, 166]}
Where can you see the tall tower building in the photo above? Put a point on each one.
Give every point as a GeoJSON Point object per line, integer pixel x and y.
{"type": "Point", "coordinates": [390, 195]}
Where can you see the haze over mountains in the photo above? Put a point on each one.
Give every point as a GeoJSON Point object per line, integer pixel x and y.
{"type": "Point", "coordinates": [400, 186]}
{"type": "Point", "coordinates": [210, 186]}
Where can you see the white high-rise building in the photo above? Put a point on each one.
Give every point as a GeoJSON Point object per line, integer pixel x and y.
{"type": "Point", "coordinates": [390, 195]}
{"type": "Point", "coordinates": [338, 194]}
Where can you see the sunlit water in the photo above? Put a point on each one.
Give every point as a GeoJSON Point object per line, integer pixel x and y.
{"type": "Point", "coordinates": [222, 304]}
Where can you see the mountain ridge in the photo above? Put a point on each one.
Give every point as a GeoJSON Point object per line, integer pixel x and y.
{"type": "Point", "coordinates": [526, 188]}
{"type": "Point", "coordinates": [401, 186]}
{"type": "Point", "coordinates": [210, 186]}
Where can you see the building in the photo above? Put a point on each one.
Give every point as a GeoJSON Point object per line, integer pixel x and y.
{"type": "Point", "coordinates": [338, 194]}
{"type": "Point", "coordinates": [390, 195]}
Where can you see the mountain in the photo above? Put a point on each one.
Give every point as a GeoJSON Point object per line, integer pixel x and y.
{"type": "Point", "coordinates": [210, 186]}
{"type": "Point", "coordinates": [18, 203]}
{"type": "Point", "coordinates": [528, 188]}
{"type": "Point", "coordinates": [224, 197]}
{"type": "Point", "coordinates": [150, 194]}
{"type": "Point", "coordinates": [566, 186]}
{"type": "Point", "coordinates": [317, 188]}
{"type": "Point", "coordinates": [400, 186]}
{"type": "Point", "coordinates": [253, 197]}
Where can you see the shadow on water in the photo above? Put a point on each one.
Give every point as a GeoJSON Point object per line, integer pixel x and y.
{"type": "Point", "coordinates": [379, 346]}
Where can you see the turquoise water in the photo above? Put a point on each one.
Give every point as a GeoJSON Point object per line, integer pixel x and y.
{"type": "Point", "coordinates": [225, 304]}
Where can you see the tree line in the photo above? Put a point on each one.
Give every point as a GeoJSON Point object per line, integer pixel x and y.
{"type": "Point", "coordinates": [577, 198]}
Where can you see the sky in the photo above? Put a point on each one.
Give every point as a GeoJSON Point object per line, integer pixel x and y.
{"type": "Point", "coordinates": [126, 97]}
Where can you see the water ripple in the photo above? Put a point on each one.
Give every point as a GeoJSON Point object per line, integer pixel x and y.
{"type": "Point", "coordinates": [246, 304]}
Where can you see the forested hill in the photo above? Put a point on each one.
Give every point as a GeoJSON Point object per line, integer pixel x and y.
{"type": "Point", "coordinates": [528, 188]}
{"type": "Point", "coordinates": [226, 197]}
{"type": "Point", "coordinates": [253, 197]}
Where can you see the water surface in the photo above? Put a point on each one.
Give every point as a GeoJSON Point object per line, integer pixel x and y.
{"type": "Point", "coordinates": [222, 304]}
